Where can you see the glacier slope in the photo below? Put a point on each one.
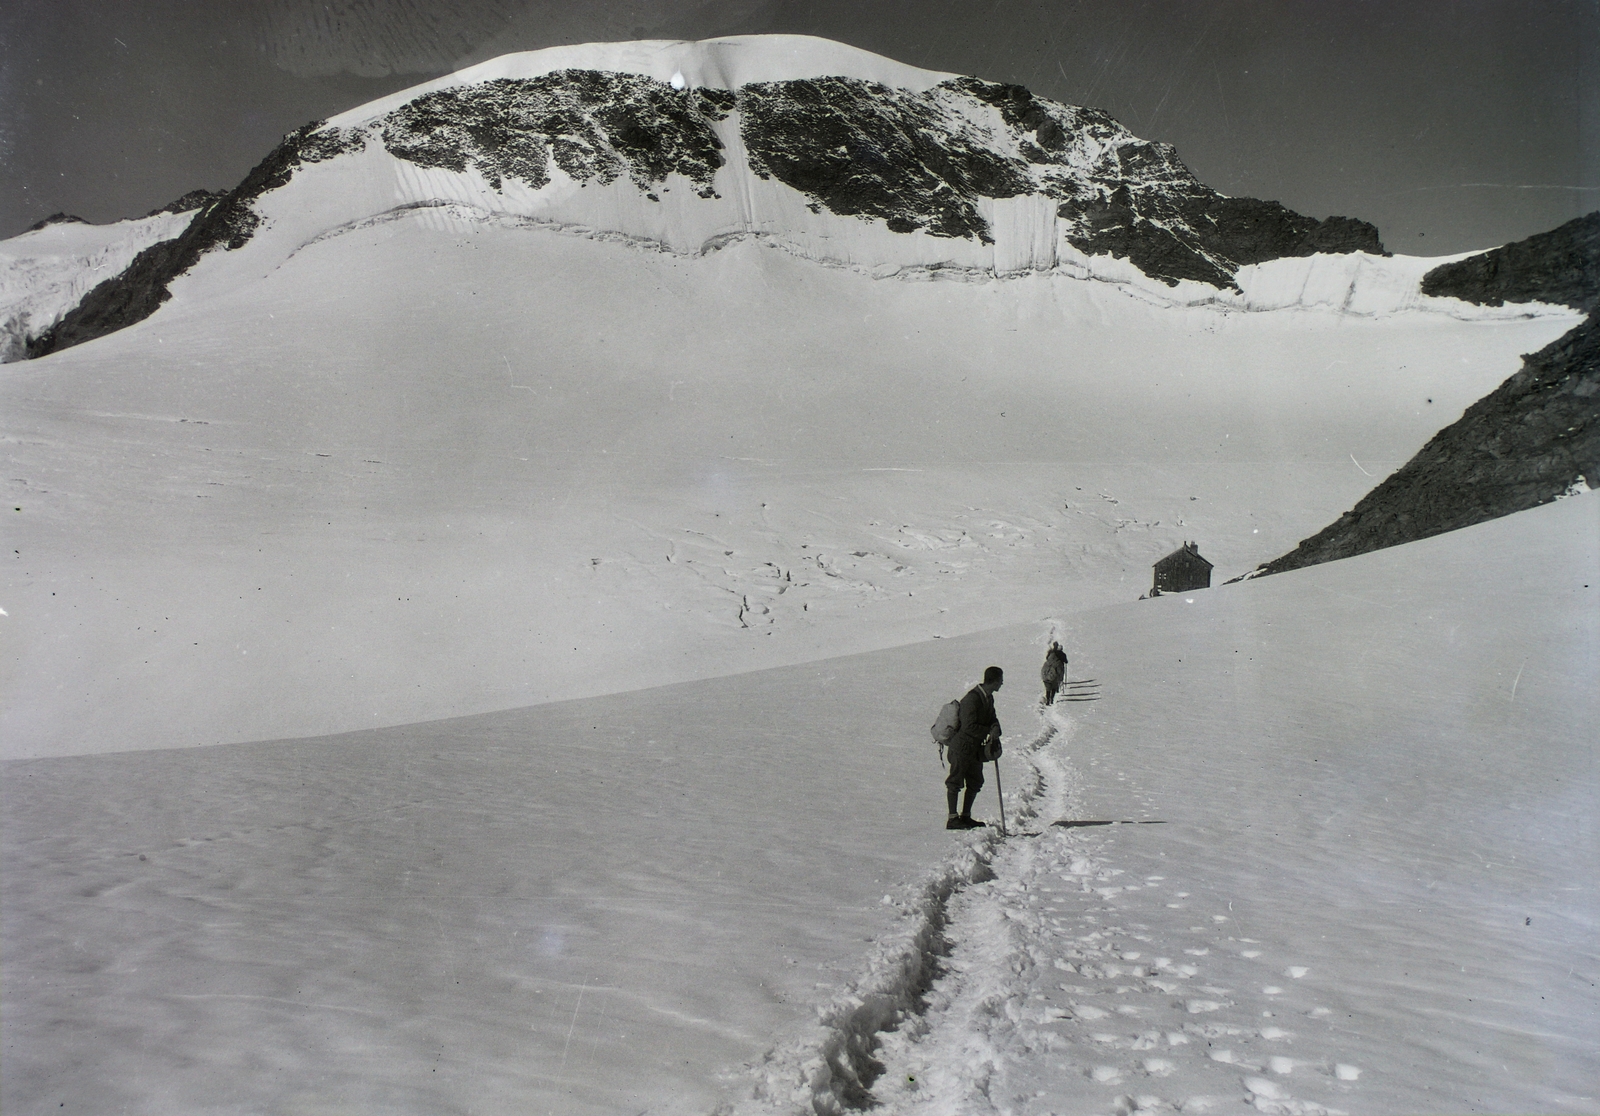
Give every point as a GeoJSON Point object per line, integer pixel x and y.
{"type": "Point", "coordinates": [438, 466]}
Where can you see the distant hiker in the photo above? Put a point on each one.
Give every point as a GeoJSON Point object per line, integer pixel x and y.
{"type": "Point", "coordinates": [1053, 671]}
{"type": "Point", "coordinates": [976, 740]}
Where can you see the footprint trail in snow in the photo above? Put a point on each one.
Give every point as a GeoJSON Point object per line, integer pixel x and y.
{"type": "Point", "coordinates": [1074, 986]}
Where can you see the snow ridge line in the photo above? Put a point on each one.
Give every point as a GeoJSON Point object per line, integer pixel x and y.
{"type": "Point", "coordinates": [832, 1073]}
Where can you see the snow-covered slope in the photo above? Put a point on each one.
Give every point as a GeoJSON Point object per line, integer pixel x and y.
{"type": "Point", "coordinates": [437, 466]}
{"type": "Point", "coordinates": [1371, 891]}
{"type": "Point", "coordinates": [46, 272]}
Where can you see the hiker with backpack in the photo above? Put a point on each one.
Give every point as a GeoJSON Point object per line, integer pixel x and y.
{"type": "Point", "coordinates": [1053, 671]}
{"type": "Point", "coordinates": [975, 741]}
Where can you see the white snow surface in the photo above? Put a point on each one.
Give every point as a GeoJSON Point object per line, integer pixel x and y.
{"type": "Point", "coordinates": [441, 466]}
{"type": "Point", "coordinates": [1367, 885]}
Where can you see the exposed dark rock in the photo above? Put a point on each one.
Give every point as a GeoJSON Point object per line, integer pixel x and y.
{"type": "Point", "coordinates": [716, 104]}
{"type": "Point", "coordinates": [57, 219]}
{"type": "Point", "coordinates": [1172, 227]}
{"type": "Point", "coordinates": [1560, 266]}
{"type": "Point", "coordinates": [862, 149]}
{"type": "Point", "coordinates": [225, 222]}
{"type": "Point", "coordinates": [1522, 445]}
{"type": "Point", "coordinates": [194, 199]}
{"type": "Point", "coordinates": [916, 161]}
{"type": "Point", "coordinates": [596, 125]}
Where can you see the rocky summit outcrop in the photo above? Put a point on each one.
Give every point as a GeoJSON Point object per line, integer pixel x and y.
{"type": "Point", "coordinates": [938, 160]}
{"type": "Point", "coordinates": [913, 159]}
{"type": "Point", "coordinates": [1560, 266]}
{"type": "Point", "coordinates": [1524, 444]}
{"type": "Point", "coordinates": [594, 126]}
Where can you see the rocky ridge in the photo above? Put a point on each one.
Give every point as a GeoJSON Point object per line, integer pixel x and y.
{"type": "Point", "coordinates": [1526, 443]}
{"type": "Point", "coordinates": [1560, 266]}
{"type": "Point", "coordinates": [227, 222]}
{"type": "Point", "coordinates": [1532, 440]}
{"type": "Point", "coordinates": [194, 199]}
{"type": "Point", "coordinates": [57, 219]}
{"type": "Point", "coordinates": [917, 160]}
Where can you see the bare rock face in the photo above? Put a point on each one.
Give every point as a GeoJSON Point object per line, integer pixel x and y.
{"type": "Point", "coordinates": [858, 148]}
{"type": "Point", "coordinates": [1524, 444]}
{"type": "Point", "coordinates": [1560, 266]}
{"type": "Point", "coordinates": [592, 124]}
{"type": "Point", "coordinates": [916, 161]}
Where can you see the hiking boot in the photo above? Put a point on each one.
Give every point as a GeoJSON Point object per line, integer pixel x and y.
{"type": "Point", "coordinates": [966, 822]}
{"type": "Point", "coordinates": [953, 822]}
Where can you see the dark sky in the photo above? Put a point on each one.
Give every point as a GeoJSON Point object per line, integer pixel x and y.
{"type": "Point", "coordinates": [1451, 124]}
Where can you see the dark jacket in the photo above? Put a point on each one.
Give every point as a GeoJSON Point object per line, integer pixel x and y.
{"type": "Point", "coordinates": [977, 719]}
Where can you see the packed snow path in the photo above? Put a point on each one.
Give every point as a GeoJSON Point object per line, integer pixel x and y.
{"type": "Point", "coordinates": [1369, 890]}
{"type": "Point", "coordinates": [1059, 998]}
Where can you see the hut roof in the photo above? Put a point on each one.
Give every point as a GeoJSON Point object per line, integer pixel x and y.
{"type": "Point", "coordinates": [1187, 552]}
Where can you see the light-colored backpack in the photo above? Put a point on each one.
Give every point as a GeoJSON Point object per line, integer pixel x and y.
{"type": "Point", "coordinates": [946, 725]}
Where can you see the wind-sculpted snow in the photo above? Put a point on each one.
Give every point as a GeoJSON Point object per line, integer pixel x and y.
{"type": "Point", "coordinates": [594, 126]}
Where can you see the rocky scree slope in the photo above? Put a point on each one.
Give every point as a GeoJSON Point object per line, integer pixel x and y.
{"type": "Point", "coordinates": [1524, 444]}
{"type": "Point", "coordinates": [915, 160]}
{"type": "Point", "coordinates": [1560, 266]}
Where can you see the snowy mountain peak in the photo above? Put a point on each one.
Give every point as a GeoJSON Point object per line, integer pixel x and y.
{"type": "Point", "coordinates": [827, 152]}
{"type": "Point", "coordinates": [725, 63]}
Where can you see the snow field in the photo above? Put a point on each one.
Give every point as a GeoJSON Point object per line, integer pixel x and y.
{"type": "Point", "coordinates": [589, 906]}
{"type": "Point", "coordinates": [834, 1067]}
{"type": "Point", "coordinates": [1278, 935]}
{"type": "Point", "coordinates": [387, 465]}
{"type": "Point", "coordinates": [674, 898]}
{"type": "Point", "coordinates": [373, 487]}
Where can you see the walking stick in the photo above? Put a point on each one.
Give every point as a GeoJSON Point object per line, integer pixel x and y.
{"type": "Point", "coordinates": [1000, 791]}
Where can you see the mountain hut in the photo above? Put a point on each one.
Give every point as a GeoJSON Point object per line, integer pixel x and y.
{"type": "Point", "coordinates": [1182, 570]}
